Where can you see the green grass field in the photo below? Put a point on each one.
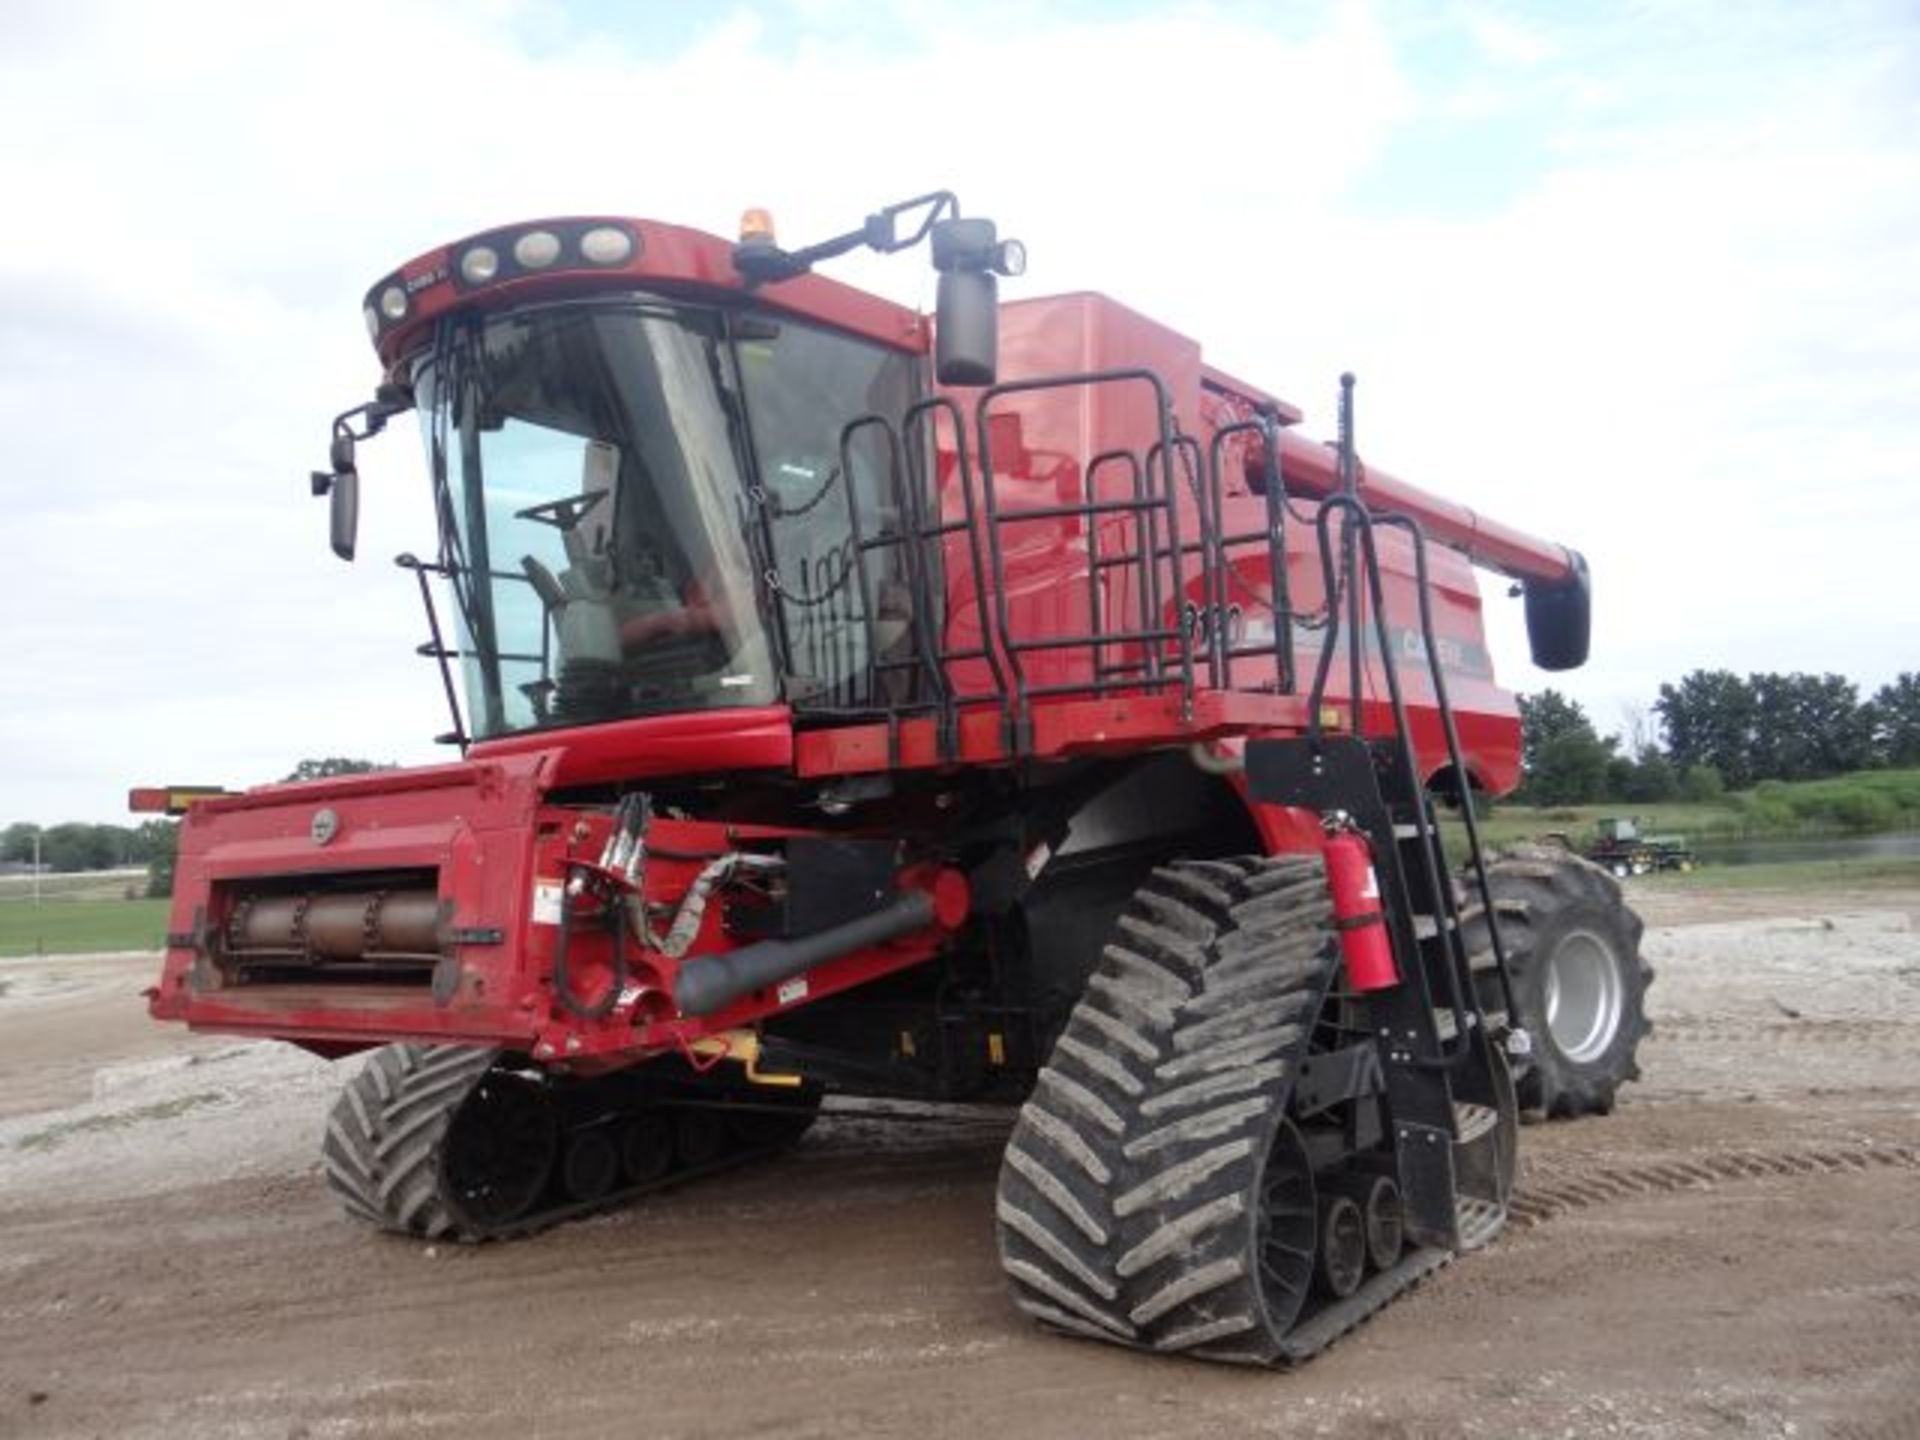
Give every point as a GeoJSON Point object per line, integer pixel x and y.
{"type": "Point", "coordinates": [1863, 803]}
{"type": "Point", "coordinates": [1876, 873]}
{"type": "Point", "coordinates": [77, 927]}
{"type": "Point", "coordinates": [89, 885]}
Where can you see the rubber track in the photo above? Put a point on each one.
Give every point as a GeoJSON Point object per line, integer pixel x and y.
{"type": "Point", "coordinates": [1343, 1317]}
{"type": "Point", "coordinates": [537, 1220]}
{"type": "Point", "coordinates": [381, 1152]}
{"type": "Point", "coordinates": [1537, 1202]}
{"type": "Point", "coordinates": [1127, 1192]}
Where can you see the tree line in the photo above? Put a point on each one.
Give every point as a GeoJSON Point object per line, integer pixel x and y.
{"type": "Point", "coordinates": [79, 846]}
{"type": "Point", "coordinates": [1713, 731]}
{"type": "Point", "coordinates": [76, 845]}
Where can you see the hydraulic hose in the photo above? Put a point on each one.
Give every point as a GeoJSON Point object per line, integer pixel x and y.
{"type": "Point", "coordinates": [563, 978]}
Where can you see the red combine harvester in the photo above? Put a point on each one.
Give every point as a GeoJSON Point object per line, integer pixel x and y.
{"type": "Point", "coordinates": [1005, 706]}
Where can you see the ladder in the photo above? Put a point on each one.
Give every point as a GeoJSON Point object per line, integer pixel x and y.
{"type": "Point", "coordinates": [1442, 1079]}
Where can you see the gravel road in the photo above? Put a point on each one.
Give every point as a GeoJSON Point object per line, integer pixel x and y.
{"type": "Point", "coordinates": [1734, 1252]}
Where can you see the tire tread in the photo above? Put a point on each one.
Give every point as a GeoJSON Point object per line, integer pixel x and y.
{"type": "Point", "coordinates": [1173, 1074]}
{"type": "Point", "coordinates": [381, 1150]}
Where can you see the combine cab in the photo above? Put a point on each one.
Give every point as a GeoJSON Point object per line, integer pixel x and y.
{"type": "Point", "coordinates": [999, 706]}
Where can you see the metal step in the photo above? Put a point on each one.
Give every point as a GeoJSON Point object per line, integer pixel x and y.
{"type": "Point", "coordinates": [1480, 1221]}
{"type": "Point", "coordinates": [1473, 1120]}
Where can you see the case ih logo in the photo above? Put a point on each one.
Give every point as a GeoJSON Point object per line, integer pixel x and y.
{"type": "Point", "coordinates": [325, 825]}
{"type": "Point", "coordinates": [1455, 654]}
{"type": "Point", "coordinates": [1204, 625]}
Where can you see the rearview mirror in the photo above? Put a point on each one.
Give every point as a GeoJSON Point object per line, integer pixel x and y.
{"type": "Point", "coordinates": [344, 512]}
{"type": "Point", "coordinates": [1560, 617]}
{"type": "Point", "coordinates": [966, 337]}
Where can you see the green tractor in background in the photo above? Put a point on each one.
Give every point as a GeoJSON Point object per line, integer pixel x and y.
{"type": "Point", "coordinates": [1621, 848]}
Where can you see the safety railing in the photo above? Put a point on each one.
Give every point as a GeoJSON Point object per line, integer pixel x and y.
{"type": "Point", "coordinates": [1164, 589]}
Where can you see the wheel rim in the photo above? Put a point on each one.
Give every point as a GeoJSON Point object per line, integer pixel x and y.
{"type": "Point", "coordinates": [1584, 996]}
{"type": "Point", "coordinates": [1343, 1246]}
{"type": "Point", "coordinates": [1386, 1231]}
{"type": "Point", "coordinates": [500, 1150]}
{"type": "Point", "coordinates": [1285, 1227]}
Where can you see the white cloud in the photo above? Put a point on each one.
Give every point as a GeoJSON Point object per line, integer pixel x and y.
{"type": "Point", "coordinates": [1505, 40]}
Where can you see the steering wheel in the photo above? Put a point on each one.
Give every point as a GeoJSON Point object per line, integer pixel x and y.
{"type": "Point", "coordinates": [565, 513]}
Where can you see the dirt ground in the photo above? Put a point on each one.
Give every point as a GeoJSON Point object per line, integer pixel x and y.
{"type": "Point", "coordinates": [1735, 1252]}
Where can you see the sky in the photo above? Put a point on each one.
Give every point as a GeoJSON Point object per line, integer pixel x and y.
{"type": "Point", "coordinates": [1641, 278]}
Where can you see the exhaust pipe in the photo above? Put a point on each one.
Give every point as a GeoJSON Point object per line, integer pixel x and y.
{"type": "Point", "coordinates": [709, 983]}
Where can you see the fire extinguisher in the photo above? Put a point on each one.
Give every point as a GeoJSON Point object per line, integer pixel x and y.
{"type": "Point", "coordinates": [1356, 906]}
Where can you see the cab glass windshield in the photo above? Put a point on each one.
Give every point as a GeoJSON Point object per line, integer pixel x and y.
{"type": "Point", "coordinates": [639, 502]}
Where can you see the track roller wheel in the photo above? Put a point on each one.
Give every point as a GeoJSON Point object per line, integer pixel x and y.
{"type": "Point", "coordinates": [590, 1165]}
{"type": "Point", "coordinates": [1340, 1256]}
{"type": "Point", "coordinates": [1153, 1192]}
{"type": "Point", "coordinates": [700, 1136]}
{"type": "Point", "coordinates": [646, 1149]}
{"type": "Point", "coordinates": [1386, 1225]}
{"type": "Point", "coordinates": [1378, 1197]}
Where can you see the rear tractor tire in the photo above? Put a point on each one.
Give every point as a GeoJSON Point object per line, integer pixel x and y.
{"type": "Point", "coordinates": [1154, 1192]}
{"type": "Point", "coordinates": [1579, 980]}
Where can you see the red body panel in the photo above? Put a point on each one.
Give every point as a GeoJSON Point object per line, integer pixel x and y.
{"type": "Point", "coordinates": [497, 856]}
{"type": "Point", "coordinates": [489, 838]}
{"type": "Point", "coordinates": [469, 825]}
{"type": "Point", "coordinates": [1041, 444]}
{"type": "Point", "coordinates": [701, 741]}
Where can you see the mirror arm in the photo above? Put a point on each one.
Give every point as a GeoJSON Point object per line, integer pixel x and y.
{"type": "Point", "coordinates": [769, 265]}
{"type": "Point", "coordinates": [341, 483]}
{"type": "Point", "coordinates": [968, 254]}
{"type": "Point", "coordinates": [390, 400]}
